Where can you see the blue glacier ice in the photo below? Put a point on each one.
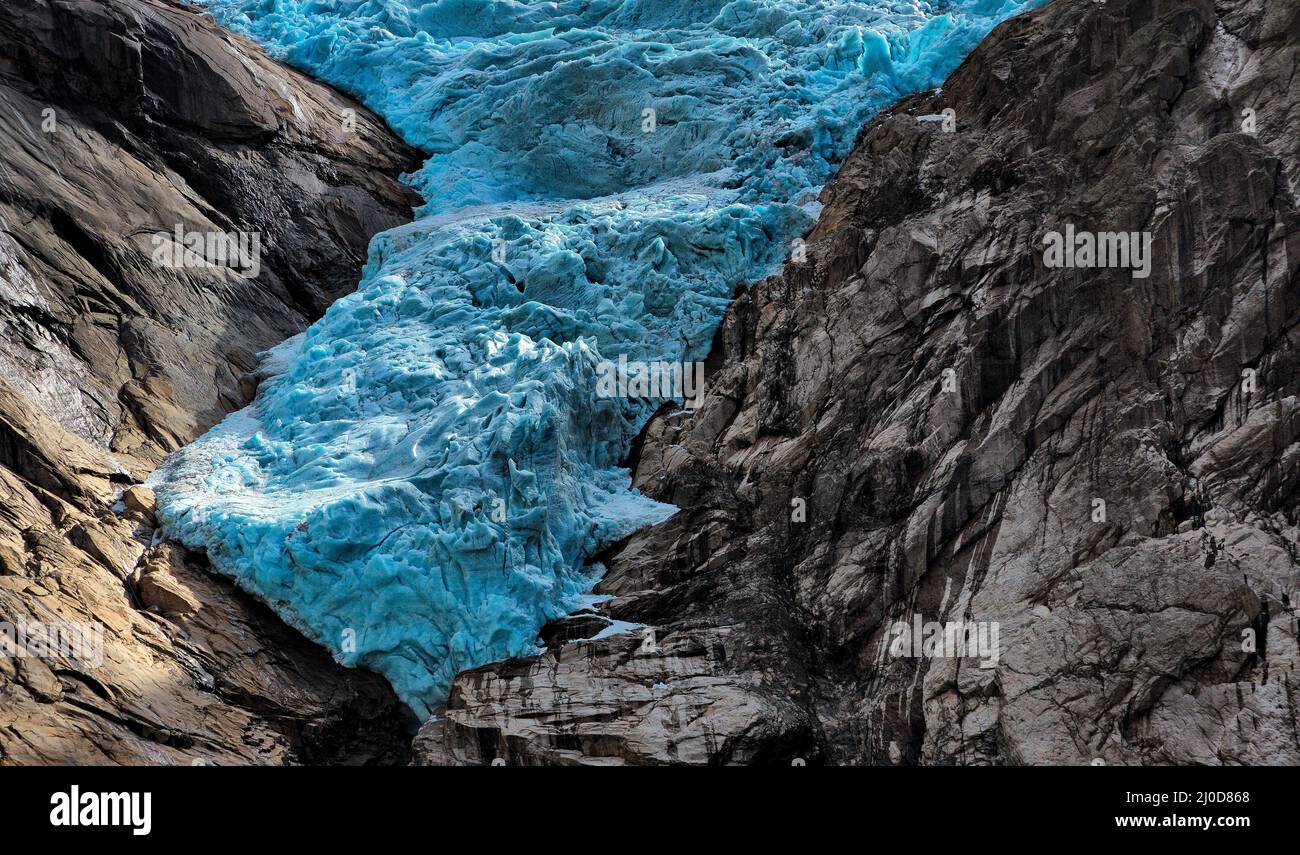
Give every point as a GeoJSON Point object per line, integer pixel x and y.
{"type": "Point", "coordinates": [420, 485]}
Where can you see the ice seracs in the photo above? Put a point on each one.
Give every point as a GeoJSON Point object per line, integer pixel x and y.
{"type": "Point", "coordinates": [421, 484]}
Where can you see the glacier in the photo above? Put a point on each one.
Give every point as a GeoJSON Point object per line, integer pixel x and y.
{"type": "Point", "coordinates": [426, 472]}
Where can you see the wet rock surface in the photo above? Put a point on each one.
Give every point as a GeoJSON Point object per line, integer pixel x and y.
{"type": "Point", "coordinates": [924, 421]}
{"type": "Point", "coordinates": [119, 120]}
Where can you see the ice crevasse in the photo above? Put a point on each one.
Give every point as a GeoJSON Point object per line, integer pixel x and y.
{"type": "Point", "coordinates": [421, 482]}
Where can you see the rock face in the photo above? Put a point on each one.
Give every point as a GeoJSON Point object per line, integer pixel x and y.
{"type": "Point", "coordinates": [119, 120]}
{"type": "Point", "coordinates": [926, 422]}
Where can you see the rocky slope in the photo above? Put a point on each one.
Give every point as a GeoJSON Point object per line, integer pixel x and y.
{"type": "Point", "coordinates": [924, 419]}
{"type": "Point", "coordinates": [120, 119]}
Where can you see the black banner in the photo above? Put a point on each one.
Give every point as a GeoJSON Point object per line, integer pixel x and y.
{"type": "Point", "coordinates": [212, 805]}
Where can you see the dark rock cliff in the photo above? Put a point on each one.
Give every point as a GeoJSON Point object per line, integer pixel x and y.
{"type": "Point", "coordinates": [120, 119]}
{"type": "Point", "coordinates": [925, 420]}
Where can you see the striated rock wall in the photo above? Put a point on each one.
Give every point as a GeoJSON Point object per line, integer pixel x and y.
{"type": "Point", "coordinates": [926, 420]}
{"type": "Point", "coordinates": [120, 119]}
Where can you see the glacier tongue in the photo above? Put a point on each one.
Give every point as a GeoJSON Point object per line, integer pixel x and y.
{"type": "Point", "coordinates": [420, 484]}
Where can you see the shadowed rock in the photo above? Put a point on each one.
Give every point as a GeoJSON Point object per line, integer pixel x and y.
{"type": "Point", "coordinates": [121, 119]}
